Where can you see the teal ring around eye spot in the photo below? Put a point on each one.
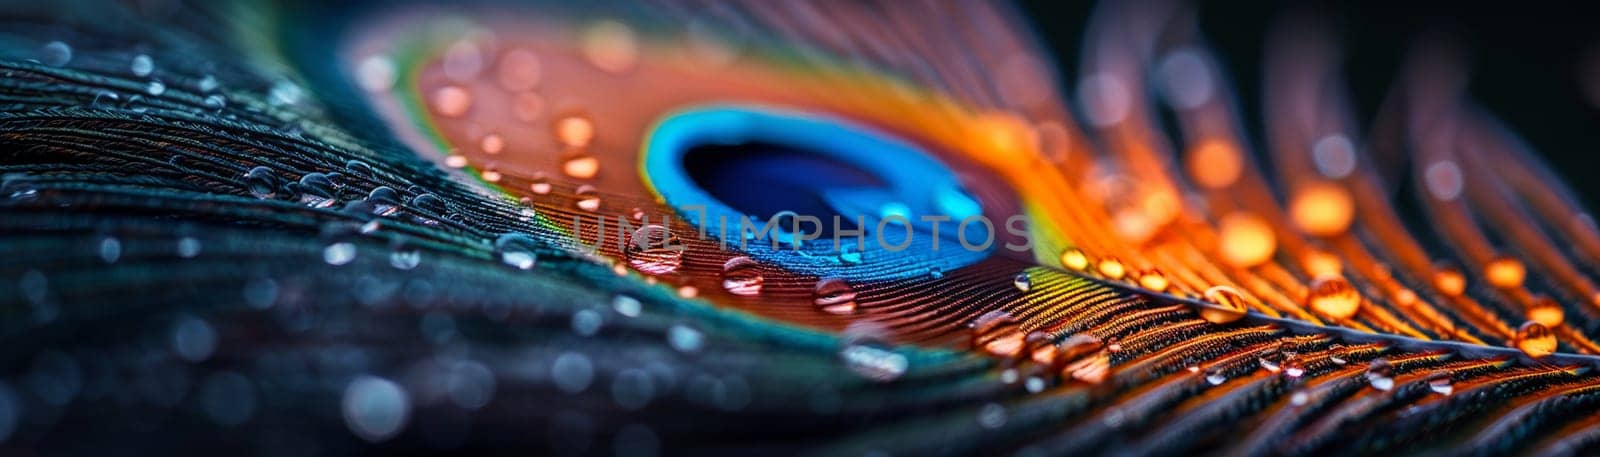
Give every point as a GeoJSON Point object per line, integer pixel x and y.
{"type": "Point", "coordinates": [907, 182]}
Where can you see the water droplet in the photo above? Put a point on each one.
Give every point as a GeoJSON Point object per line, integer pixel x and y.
{"type": "Point", "coordinates": [376, 409]}
{"type": "Point", "coordinates": [339, 253]}
{"type": "Point", "coordinates": [587, 198]}
{"type": "Point", "coordinates": [519, 70]}
{"type": "Point", "coordinates": [206, 84]}
{"type": "Point", "coordinates": [1111, 268]}
{"type": "Point", "coordinates": [141, 65]}
{"type": "Point", "coordinates": [834, 296]}
{"type": "Point", "coordinates": [992, 416]}
{"type": "Point", "coordinates": [492, 143]}
{"type": "Point", "coordinates": [261, 182]}
{"type": "Point", "coordinates": [1246, 239]}
{"type": "Point", "coordinates": [580, 165]}
{"type": "Point", "coordinates": [316, 190]}
{"type": "Point", "coordinates": [627, 306]}
{"type": "Point", "coordinates": [216, 102]}
{"type": "Point", "coordinates": [17, 186]}
{"type": "Point", "coordinates": [1546, 311]}
{"type": "Point", "coordinates": [104, 99]}
{"type": "Point", "coordinates": [1449, 280]}
{"type": "Point", "coordinates": [1226, 305]}
{"type": "Point", "coordinates": [1083, 357]}
{"type": "Point", "coordinates": [1074, 259]}
{"type": "Point", "coordinates": [1334, 297]}
{"type": "Point", "coordinates": [405, 259]}
{"type": "Point", "coordinates": [685, 291]}
{"type": "Point", "coordinates": [610, 46]}
{"type": "Point", "coordinates": [998, 334]}
{"type": "Point", "coordinates": [1267, 363]}
{"type": "Point", "coordinates": [430, 203]}
{"type": "Point", "coordinates": [742, 276]}
{"type": "Point", "coordinates": [376, 73]}
{"type": "Point", "coordinates": [572, 372]}
{"type": "Point", "coordinates": [1505, 272]}
{"type": "Point", "coordinates": [155, 88]}
{"type": "Point", "coordinates": [451, 101]}
{"type": "Point", "coordinates": [1293, 367]}
{"type": "Point", "coordinates": [285, 92]}
{"type": "Point", "coordinates": [1441, 382]}
{"type": "Point", "coordinates": [384, 200]}
{"type": "Point", "coordinates": [192, 339]}
{"type": "Point", "coordinates": [539, 184]}
{"type": "Point", "coordinates": [586, 322]}
{"type": "Point", "coordinates": [1216, 376]}
{"type": "Point", "coordinates": [1154, 281]}
{"type": "Point", "coordinates": [574, 131]}
{"type": "Point", "coordinates": [1022, 282]}
{"type": "Point", "coordinates": [110, 249]}
{"type": "Point", "coordinates": [455, 161]}
{"type": "Point", "coordinates": [654, 250]}
{"type": "Point", "coordinates": [1535, 340]}
{"type": "Point", "coordinates": [936, 272]}
{"type": "Point", "coordinates": [55, 54]}
{"type": "Point", "coordinates": [517, 250]}
{"type": "Point", "coordinates": [685, 339]}
{"type": "Point", "coordinates": [188, 247]}
{"type": "Point", "coordinates": [867, 353]}
{"type": "Point", "coordinates": [1299, 398]}
{"type": "Point", "coordinates": [1380, 374]}
{"type": "Point", "coordinates": [848, 255]}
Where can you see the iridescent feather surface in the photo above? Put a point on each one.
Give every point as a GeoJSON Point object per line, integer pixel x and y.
{"type": "Point", "coordinates": [292, 228]}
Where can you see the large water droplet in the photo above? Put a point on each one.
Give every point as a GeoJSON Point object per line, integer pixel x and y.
{"type": "Point", "coordinates": [1226, 304]}
{"type": "Point", "coordinates": [834, 296]}
{"type": "Point", "coordinates": [517, 250]}
{"type": "Point", "coordinates": [539, 184]}
{"type": "Point", "coordinates": [384, 200]}
{"type": "Point", "coordinates": [587, 198]}
{"type": "Point", "coordinates": [1535, 340]}
{"type": "Point", "coordinates": [55, 54]}
{"type": "Point", "coordinates": [1441, 382]}
{"type": "Point", "coordinates": [141, 65]}
{"type": "Point", "coordinates": [654, 250]}
{"type": "Point", "coordinates": [867, 353]}
{"type": "Point", "coordinates": [316, 190]}
{"type": "Point", "coordinates": [339, 253]}
{"type": "Point", "coordinates": [431, 206]}
{"type": "Point", "coordinates": [1083, 357]}
{"type": "Point", "coordinates": [1022, 282]}
{"type": "Point", "coordinates": [155, 88]}
{"type": "Point", "coordinates": [580, 165]}
{"type": "Point", "coordinates": [742, 276]}
{"type": "Point", "coordinates": [575, 131]}
{"type": "Point", "coordinates": [998, 334]}
{"type": "Point", "coordinates": [1333, 296]}
{"type": "Point", "coordinates": [375, 408]}
{"type": "Point", "coordinates": [261, 182]}
{"type": "Point", "coordinates": [1380, 374]}
{"type": "Point", "coordinates": [1546, 311]}
{"type": "Point", "coordinates": [1074, 259]}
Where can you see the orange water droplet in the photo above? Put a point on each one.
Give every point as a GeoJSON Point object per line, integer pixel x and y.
{"type": "Point", "coordinates": [519, 70]}
{"type": "Point", "coordinates": [581, 166]}
{"type": "Point", "coordinates": [1546, 311]}
{"type": "Point", "coordinates": [1074, 259]}
{"type": "Point", "coordinates": [492, 143]}
{"type": "Point", "coordinates": [1535, 340]}
{"type": "Point", "coordinates": [1321, 263]}
{"type": "Point", "coordinates": [1449, 280]}
{"type": "Point", "coordinates": [1226, 305]}
{"type": "Point", "coordinates": [451, 101]}
{"type": "Point", "coordinates": [998, 334]}
{"type": "Point", "coordinates": [1154, 281]}
{"type": "Point", "coordinates": [1214, 164]}
{"type": "Point", "coordinates": [1505, 272]}
{"type": "Point", "coordinates": [1083, 357]}
{"type": "Point", "coordinates": [1245, 239]}
{"type": "Point", "coordinates": [834, 296]}
{"type": "Point", "coordinates": [1333, 296]}
{"type": "Point", "coordinates": [1111, 268]}
{"type": "Point", "coordinates": [742, 276]}
{"type": "Point", "coordinates": [539, 184]}
{"type": "Point", "coordinates": [587, 198]}
{"type": "Point", "coordinates": [574, 130]}
{"type": "Point", "coordinates": [1322, 209]}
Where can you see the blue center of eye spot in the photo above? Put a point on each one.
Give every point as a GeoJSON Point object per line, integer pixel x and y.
{"type": "Point", "coordinates": [727, 162]}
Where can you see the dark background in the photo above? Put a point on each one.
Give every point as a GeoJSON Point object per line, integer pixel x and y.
{"type": "Point", "coordinates": [1527, 60]}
